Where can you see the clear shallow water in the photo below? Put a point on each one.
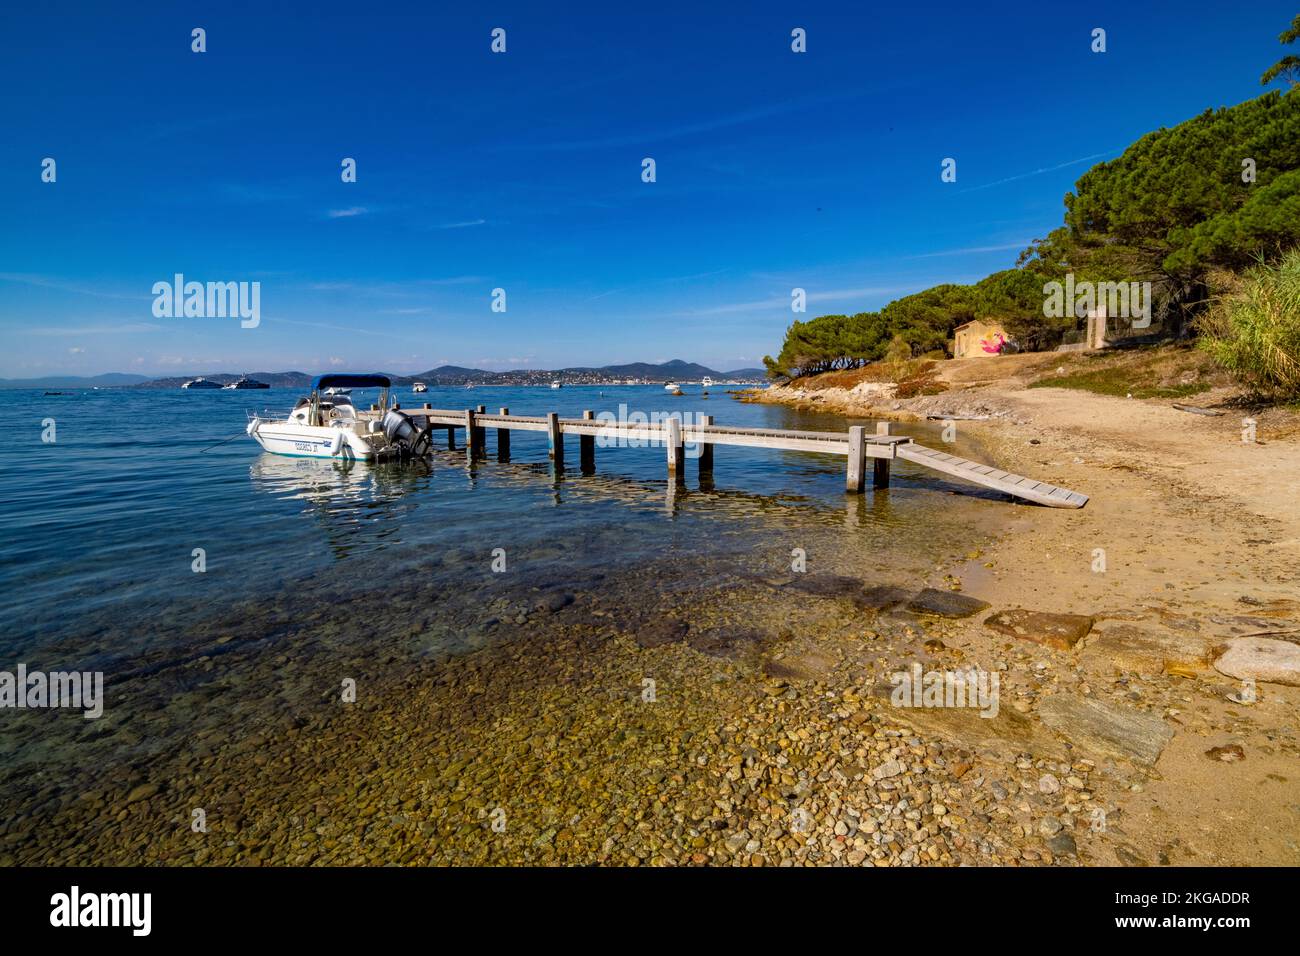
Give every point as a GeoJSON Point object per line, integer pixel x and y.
{"type": "Point", "coordinates": [97, 529]}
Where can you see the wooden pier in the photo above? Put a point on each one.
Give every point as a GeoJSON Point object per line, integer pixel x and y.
{"type": "Point", "coordinates": [856, 445]}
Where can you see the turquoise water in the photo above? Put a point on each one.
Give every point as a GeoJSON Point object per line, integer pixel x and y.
{"type": "Point", "coordinates": [99, 527]}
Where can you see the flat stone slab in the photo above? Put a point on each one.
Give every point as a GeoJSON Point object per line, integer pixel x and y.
{"type": "Point", "coordinates": [1008, 733]}
{"type": "Point", "coordinates": [880, 597]}
{"type": "Point", "coordinates": [827, 585]}
{"type": "Point", "coordinates": [946, 603]}
{"type": "Point", "coordinates": [1261, 658]}
{"type": "Point", "coordinates": [661, 631]}
{"type": "Point", "coordinates": [1120, 732]}
{"type": "Point", "coordinates": [1134, 651]}
{"type": "Point", "coordinates": [1061, 631]}
{"type": "Point", "coordinates": [729, 642]}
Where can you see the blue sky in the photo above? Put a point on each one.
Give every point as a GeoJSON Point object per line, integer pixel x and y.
{"type": "Point", "coordinates": [522, 170]}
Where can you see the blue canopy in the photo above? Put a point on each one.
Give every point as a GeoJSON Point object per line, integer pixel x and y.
{"type": "Point", "coordinates": [346, 380]}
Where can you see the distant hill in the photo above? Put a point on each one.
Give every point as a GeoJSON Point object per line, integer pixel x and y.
{"type": "Point", "coordinates": [674, 371]}
{"type": "Point", "coordinates": [108, 380]}
{"type": "Point", "coordinates": [274, 379]}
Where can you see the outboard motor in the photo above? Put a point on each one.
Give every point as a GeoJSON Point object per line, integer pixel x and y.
{"type": "Point", "coordinates": [402, 434]}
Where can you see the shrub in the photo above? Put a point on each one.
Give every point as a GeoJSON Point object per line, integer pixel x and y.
{"type": "Point", "coordinates": [1255, 332]}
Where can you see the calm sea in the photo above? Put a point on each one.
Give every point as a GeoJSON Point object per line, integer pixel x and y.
{"type": "Point", "coordinates": [99, 528]}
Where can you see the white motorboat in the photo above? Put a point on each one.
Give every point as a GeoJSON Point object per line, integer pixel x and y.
{"type": "Point", "coordinates": [245, 382]}
{"type": "Point", "coordinates": [706, 382]}
{"type": "Point", "coordinates": [328, 426]}
{"type": "Point", "coordinates": [201, 383]}
{"type": "Point", "coordinates": [557, 385]}
{"type": "Point", "coordinates": [419, 387]}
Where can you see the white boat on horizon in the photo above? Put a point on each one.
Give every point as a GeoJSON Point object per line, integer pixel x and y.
{"type": "Point", "coordinates": [557, 385]}
{"type": "Point", "coordinates": [245, 382]}
{"type": "Point", "coordinates": [327, 425]}
{"type": "Point", "coordinates": [419, 387]}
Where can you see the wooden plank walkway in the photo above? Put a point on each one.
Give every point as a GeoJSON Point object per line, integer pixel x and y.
{"type": "Point", "coordinates": [1037, 491]}
{"type": "Point", "coordinates": [855, 444]}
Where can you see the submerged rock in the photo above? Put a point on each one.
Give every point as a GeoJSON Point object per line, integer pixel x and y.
{"type": "Point", "coordinates": [827, 585]}
{"type": "Point", "coordinates": [946, 603]}
{"type": "Point", "coordinates": [729, 642]}
{"type": "Point", "coordinates": [1261, 658]}
{"type": "Point", "coordinates": [1061, 631]}
{"type": "Point", "coordinates": [1117, 731]}
{"type": "Point", "coordinates": [664, 630]}
{"type": "Point", "coordinates": [880, 597]}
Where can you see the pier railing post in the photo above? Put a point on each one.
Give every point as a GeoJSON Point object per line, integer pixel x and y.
{"type": "Point", "coordinates": [856, 476]}
{"type": "Point", "coordinates": [503, 440]}
{"type": "Point", "coordinates": [706, 449]}
{"type": "Point", "coordinates": [473, 436]}
{"type": "Point", "coordinates": [480, 434]}
{"type": "Point", "coordinates": [587, 447]}
{"type": "Point", "coordinates": [676, 450]}
{"type": "Point", "coordinates": [880, 473]}
{"type": "Point", "coordinates": [556, 439]}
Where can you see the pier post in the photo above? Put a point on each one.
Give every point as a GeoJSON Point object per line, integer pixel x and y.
{"type": "Point", "coordinates": [473, 436]}
{"type": "Point", "coordinates": [556, 439]}
{"type": "Point", "coordinates": [587, 447]}
{"type": "Point", "coordinates": [480, 434]}
{"type": "Point", "coordinates": [880, 474]}
{"type": "Point", "coordinates": [676, 450]}
{"type": "Point", "coordinates": [503, 440]}
{"type": "Point", "coordinates": [856, 476]}
{"type": "Point", "coordinates": [706, 449]}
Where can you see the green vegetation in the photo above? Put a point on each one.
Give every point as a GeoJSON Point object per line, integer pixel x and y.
{"type": "Point", "coordinates": [1288, 66]}
{"type": "Point", "coordinates": [1255, 331]}
{"type": "Point", "coordinates": [1159, 371]}
{"type": "Point", "coordinates": [1212, 195]}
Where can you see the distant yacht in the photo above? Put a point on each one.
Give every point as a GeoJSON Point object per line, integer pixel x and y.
{"type": "Point", "coordinates": [246, 382]}
{"type": "Point", "coordinates": [419, 387]}
{"type": "Point", "coordinates": [557, 385]}
{"type": "Point", "coordinates": [706, 382]}
{"type": "Point", "coordinates": [201, 383]}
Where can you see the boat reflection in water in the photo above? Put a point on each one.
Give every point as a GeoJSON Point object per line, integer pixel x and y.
{"type": "Point", "coordinates": [355, 503]}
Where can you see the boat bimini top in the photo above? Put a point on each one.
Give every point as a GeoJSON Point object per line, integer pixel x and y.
{"type": "Point", "coordinates": [347, 380]}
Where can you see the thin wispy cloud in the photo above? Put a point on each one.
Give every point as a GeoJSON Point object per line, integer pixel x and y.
{"type": "Point", "coordinates": [1039, 172]}
{"type": "Point", "coordinates": [783, 302]}
{"type": "Point", "coordinates": [723, 121]}
{"type": "Point", "coordinates": [122, 328]}
{"type": "Point", "coordinates": [52, 282]}
{"type": "Point", "coordinates": [970, 250]}
{"type": "Point", "coordinates": [347, 213]}
{"type": "Point", "coordinates": [463, 225]}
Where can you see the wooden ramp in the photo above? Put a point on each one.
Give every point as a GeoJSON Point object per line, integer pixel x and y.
{"type": "Point", "coordinates": [1039, 492]}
